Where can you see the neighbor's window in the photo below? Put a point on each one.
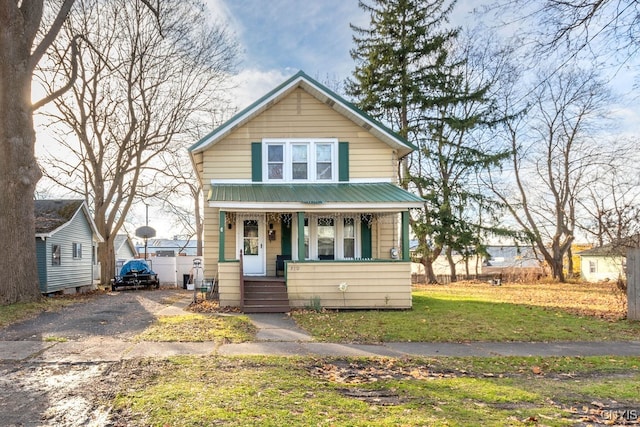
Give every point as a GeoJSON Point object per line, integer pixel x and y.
{"type": "Point", "coordinates": [592, 266]}
{"type": "Point", "coordinates": [77, 250]}
{"type": "Point", "coordinates": [292, 160]}
{"type": "Point", "coordinates": [55, 254]}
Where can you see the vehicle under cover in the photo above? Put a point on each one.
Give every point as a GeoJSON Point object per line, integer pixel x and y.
{"type": "Point", "coordinates": [135, 273]}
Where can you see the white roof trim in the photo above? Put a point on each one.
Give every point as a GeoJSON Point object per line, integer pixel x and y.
{"type": "Point", "coordinates": [83, 207]}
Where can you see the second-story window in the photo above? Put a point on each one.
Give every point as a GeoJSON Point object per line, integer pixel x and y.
{"type": "Point", "coordinates": [324, 161]}
{"type": "Point", "coordinates": [275, 161]}
{"type": "Point", "coordinates": [300, 160]}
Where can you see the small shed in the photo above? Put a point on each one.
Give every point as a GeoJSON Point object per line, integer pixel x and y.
{"type": "Point", "coordinates": [124, 249]}
{"type": "Point", "coordinates": [66, 240]}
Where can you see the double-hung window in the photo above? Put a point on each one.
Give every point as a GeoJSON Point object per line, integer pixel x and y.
{"type": "Point", "coordinates": [328, 238]}
{"type": "Point", "coordinates": [77, 250]}
{"type": "Point", "coordinates": [300, 160]}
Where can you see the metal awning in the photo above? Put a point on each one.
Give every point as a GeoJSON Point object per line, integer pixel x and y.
{"type": "Point", "coordinates": [312, 197]}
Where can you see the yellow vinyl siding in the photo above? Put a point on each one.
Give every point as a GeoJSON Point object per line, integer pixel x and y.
{"type": "Point", "coordinates": [369, 285]}
{"type": "Point", "coordinates": [210, 237]}
{"type": "Point", "coordinates": [230, 158]}
{"type": "Point", "coordinates": [229, 284]}
{"type": "Point", "coordinates": [385, 237]}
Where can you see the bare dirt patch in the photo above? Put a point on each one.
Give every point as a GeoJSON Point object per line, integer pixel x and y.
{"type": "Point", "coordinates": [52, 394]}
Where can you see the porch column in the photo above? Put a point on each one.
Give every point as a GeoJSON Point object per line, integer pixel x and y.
{"type": "Point", "coordinates": [405, 236]}
{"type": "Point", "coordinates": [300, 236]}
{"type": "Point", "coordinates": [223, 223]}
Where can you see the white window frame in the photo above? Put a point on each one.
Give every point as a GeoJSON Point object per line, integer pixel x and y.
{"type": "Point", "coordinates": [76, 248]}
{"type": "Point", "coordinates": [287, 144]}
{"type": "Point", "coordinates": [338, 248]}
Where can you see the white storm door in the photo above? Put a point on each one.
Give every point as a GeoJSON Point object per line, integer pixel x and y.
{"type": "Point", "coordinates": [251, 241]}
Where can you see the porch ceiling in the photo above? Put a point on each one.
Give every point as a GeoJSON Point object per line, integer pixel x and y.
{"type": "Point", "coordinates": [373, 196]}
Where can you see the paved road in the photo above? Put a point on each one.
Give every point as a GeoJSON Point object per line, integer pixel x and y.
{"type": "Point", "coordinates": [100, 329]}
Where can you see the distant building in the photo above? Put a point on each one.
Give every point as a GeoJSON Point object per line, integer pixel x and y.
{"type": "Point", "coordinates": [168, 247]}
{"type": "Point", "coordinates": [607, 262]}
{"type": "Point", "coordinates": [124, 249]}
{"type": "Point", "coordinates": [512, 260]}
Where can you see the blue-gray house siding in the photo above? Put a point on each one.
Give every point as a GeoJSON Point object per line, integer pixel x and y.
{"type": "Point", "coordinates": [72, 271]}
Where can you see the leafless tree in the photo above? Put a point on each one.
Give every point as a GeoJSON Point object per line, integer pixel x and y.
{"type": "Point", "coordinates": [611, 205]}
{"type": "Point", "coordinates": [555, 146]}
{"type": "Point", "coordinates": [141, 81]}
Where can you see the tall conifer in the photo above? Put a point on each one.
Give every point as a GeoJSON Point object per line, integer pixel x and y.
{"type": "Point", "coordinates": [408, 77]}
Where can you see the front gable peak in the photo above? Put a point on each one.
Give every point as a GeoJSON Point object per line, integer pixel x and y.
{"type": "Point", "coordinates": [322, 94]}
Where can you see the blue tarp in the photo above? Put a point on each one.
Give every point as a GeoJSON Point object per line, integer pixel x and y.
{"type": "Point", "coordinates": [140, 266]}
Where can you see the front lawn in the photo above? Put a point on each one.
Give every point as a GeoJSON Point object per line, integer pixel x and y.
{"type": "Point", "coordinates": [480, 312]}
{"type": "Point", "coordinates": [276, 391]}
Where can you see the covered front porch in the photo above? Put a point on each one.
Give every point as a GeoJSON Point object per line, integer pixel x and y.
{"type": "Point", "coordinates": [319, 259]}
{"type": "Point", "coordinates": [343, 246]}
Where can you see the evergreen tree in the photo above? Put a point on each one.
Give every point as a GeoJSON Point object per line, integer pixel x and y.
{"type": "Point", "coordinates": [412, 74]}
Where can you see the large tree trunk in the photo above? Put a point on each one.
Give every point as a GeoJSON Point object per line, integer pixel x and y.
{"type": "Point", "coordinates": [107, 258]}
{"type": "Point", "coordinates": [19, 170]}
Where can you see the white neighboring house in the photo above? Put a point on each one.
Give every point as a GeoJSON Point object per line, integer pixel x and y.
{"type": "Point", "coordinates": [607, 262]}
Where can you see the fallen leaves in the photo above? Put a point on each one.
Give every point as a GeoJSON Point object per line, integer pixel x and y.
{"type": "Point", "coordinates": [209, 306]}
{"type": "Point", "coordinates": [602, 300]}
{"type": "Point", "coordinates": [359, 373]}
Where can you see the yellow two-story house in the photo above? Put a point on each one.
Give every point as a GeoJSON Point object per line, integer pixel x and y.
{"type": "Point", "coordinates": [303, 206]}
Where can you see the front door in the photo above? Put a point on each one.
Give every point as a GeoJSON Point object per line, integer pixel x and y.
{"type": "Point", "coordinates": [251, 241]}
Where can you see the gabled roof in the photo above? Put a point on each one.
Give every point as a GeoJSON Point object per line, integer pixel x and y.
{"type": "Point", "coordinates": [53, 215]}
{"type": "Point", "coordinates": [618, 248]}
{"type": "Point", "coordinates": [322, 94]}
{"type": "Point", "coordinates": [372, 196]}
{"type": "Point", "coordinates": [124, 240]}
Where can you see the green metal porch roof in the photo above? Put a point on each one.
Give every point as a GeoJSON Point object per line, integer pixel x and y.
{"type": "Point", "coordinates": [347, 194]}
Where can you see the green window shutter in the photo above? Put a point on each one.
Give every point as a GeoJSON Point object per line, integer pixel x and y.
{"type": "Point", "coordinates": [343, 161]}
{"type": "Point", "coordinates": [256, 161]}
{"type": "Point", "coordinates": [285, 235]}
{"type": "Point", "coordinates": [365, 235]}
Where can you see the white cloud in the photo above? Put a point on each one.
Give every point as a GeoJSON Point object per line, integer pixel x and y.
{"type": "Point", "coordinates": [252, 84]}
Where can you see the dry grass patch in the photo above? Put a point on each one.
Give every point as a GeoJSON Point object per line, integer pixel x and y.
{"type": "Point", "coordinates": [603, 300]}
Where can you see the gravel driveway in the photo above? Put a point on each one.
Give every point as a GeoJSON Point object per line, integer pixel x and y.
{"type": "Point", "coordinates": [72, 394]}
